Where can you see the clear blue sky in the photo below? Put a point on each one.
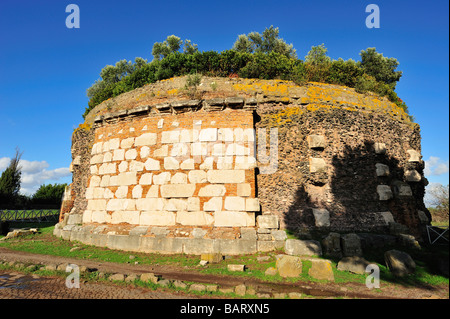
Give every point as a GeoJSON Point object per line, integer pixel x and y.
{"type": "Point", "coordinates": [45, 68]}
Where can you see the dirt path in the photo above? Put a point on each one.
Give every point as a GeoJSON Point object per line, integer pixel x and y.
{"type": "Point", "coordinates": [349, 290]}
{"type": "Point", "coordinates": [16, 285]}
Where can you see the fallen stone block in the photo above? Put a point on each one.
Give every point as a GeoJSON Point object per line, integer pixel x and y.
{"type": "Point", "coordinates": [354, 264]}
{"type": "Point", "coordinates": [240, 268]}
{"type": "Point", "coordinates": [321, 269]}
{"type": "Point", "coordinates": [289, 266]}
{"type": "Point", "coordinates": [297, 247]}
{"type": "Point", "coordinates": [399, 263]}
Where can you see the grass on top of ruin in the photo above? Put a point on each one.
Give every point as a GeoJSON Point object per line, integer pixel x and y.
{"type": "Point", "coordinates": [255, 267]}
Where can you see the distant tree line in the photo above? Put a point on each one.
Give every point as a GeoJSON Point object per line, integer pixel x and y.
{"type": "Point", "coordinates": [46, 197]}
{"type": "Point", "coordinates": [253, 55]}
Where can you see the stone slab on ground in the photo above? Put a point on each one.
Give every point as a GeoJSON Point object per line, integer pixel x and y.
{"type": "Point", "coordinates": [297, 247]}
{"type": "Point", "coordinates": [354, 264]}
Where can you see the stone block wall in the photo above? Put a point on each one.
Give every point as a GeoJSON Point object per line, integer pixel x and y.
{"type": "Point", "coordinates": [178, 175]}
{"type": "Point", "coordinates": [192, 169]}
{"type": "Point", "coordinates": [343, 170]}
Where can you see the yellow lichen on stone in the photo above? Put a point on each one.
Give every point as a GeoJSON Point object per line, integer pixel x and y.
{"type": "Point", "coordinates": [83, 126]}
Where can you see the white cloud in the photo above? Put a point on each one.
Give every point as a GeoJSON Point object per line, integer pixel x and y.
{"type": "Point", "coordinates": [4, 163]}
{"type": "Point", "coordinates": [434, 166]}
{"type": "Point", "coordinates": [35, 173]}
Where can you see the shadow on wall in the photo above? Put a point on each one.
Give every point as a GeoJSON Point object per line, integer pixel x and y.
{"type": "Point", "coordinates": [355, 193]}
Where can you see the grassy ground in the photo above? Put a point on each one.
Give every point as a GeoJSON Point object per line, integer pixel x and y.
{"type": "Point", "coordinates": [427, 272]}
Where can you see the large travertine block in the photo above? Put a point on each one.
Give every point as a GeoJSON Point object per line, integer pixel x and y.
{"type": "Point", "coordinates": [268, 221]}
{"type": "Point", "coordinates": [150, 204]}
{"type": "Point", "coordinates": [198, 149]}
{"type": "Point", "coordinates": [414, 156]}
{"type": "Point", "coordinates": [152, 165]}
{"type": "Point", "coordinates": [137, 191]}
{"type": "Point", "coordinates": [98, 192]}
{"type": "Point", "coordinates": [316, 141]}
{"type": "Point", "coordinates": [171, 163]}
{"type": "Point", "coordinates": [212, 191]}
{"type": "Point", "coordinates": [177, 190]}
{"type": "Point", "coordinates": [107, 157]}
{"type": "Point", "coordinates": [121, 192]}
{"type": "Point", "coordinates": [189, 136]}
{"type": "Point", "coordinates": [120, 204]}
{"type": "Point", "coordinates": [123, 166]}
{"type": "Point", "coordinates": [225, 134]}
{"type": "Point", "coordinates": [145, 139]}
{"type": "Point", "coordinates": [136, 166]}
{"type": "Point", "coordinates": [96, 204]}
{"type": "Point", "coordinates": [175, 205]}
{"type": "Point", "coordinates": [105, 147]}
{"type": "Point", "coordinates": [235, 203]}
{"type": "Point", "coordinates": [252, 205]}
{"type": "Point", "coordinates": [89, 194]}
{"type": "Point", "coordinates": [87, 216]}
{"type": "Point", "coordinates": [384, 192]}
{"type": "Point", "coordinates": [146, 179]}
{"type": "Point", "coordinates": [213, 205]}
{"type": "Point", "coordinates": [157, 218]}
{"type": "Point", "coordinates": [127, 178]}
{"type": "Point", "coordinates": [179, 149]}
{"type": "Point", "coordinates": [96, 148]}
{"type": "Point", "coordinates": [153, 191]}
{"type": "Point", "coordinates": [119, 155]}
{"type": "Point", "coordinates": [179, 178]}
{"type": "Point", "coordinates": [131, 154]}
{"type": "Point", "coordinates": [412, 176]}
{"type": "Point", "coordinates": [187, 164]}
{"type": "Point", "coordinates": [96, 159]}
{"type": "Point", "coordinates": [170, 137]}
{"type": "Point", "coordinates": [237, 149]}
{"type": "Point", "coordinates": [234, 219]}
{"type": "Point", "coordinates": [145, 152]}
{"type": "Point", "coordinates": [225, 162]}
{"type": "Point", "coordinates": [245, 162]}
{"type": "Point", "coordinates": [207, 164]}
{"type": "Point", "coordinates": [100, 216]}
{"type": "Point", "coordinates": [127, 143]}
{"type": "Point", "coordinates": [107, 168]}
{"type": "Point", "coordinates": [162, 151]}
{"type": "Point", "coordinates": [162, 178]}
{"type": "Point", "coordinates": [197, 176]}
{"type": "Point", "coordinates": [317, 165]}
{"type": "Point", "coordinates": [194, 218]}
{"type": "Point", "coordinates": [105, 181]}
{"type": "Point", "coordinates": [382, 169]}
{"type": "Point", "coordinates": [208, 135]}
{"type": "Point", "coordinates": [114, 143]}
{"type": "Point", "coordinates": [108, 194]}
{"type": "Point", "coordinates": [129, 217]}
{"type": "Point", "coordinates": [244, 189]}
{"type": "Point", "coordinates": [226, 176]}
{"type": "Point", "coordinates": [95, 181]}
{"type": "Point", "coordinates": [193, 204]}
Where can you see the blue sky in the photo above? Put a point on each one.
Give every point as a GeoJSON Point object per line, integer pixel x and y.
{"type": "Point", "coordinates": [45, 68]}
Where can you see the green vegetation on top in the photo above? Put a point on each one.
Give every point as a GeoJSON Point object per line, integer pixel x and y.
{"type": "Point", "coordinates": [262, 56]}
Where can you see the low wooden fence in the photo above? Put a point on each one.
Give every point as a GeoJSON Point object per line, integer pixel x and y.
{"type": "Point", "coordinates": [35, 215]}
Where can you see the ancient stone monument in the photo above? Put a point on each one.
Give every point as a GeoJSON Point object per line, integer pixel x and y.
{"type": "Point", "coordinates": [231, 166]}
